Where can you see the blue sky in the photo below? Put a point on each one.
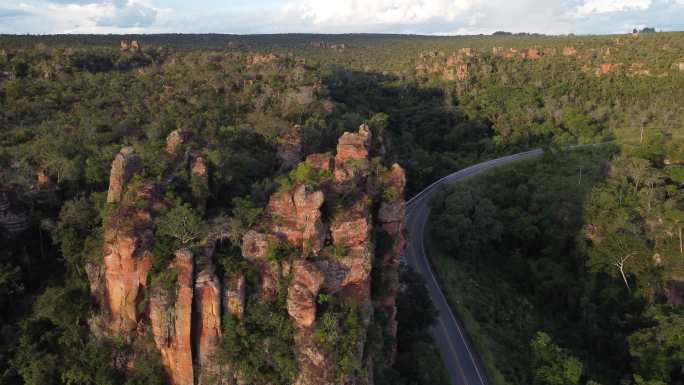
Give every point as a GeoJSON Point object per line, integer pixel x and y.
{"type": "Point", "coordinates": [437, 17]}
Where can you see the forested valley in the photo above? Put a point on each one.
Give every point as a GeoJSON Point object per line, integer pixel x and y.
{"type": "Point", "coordinates": [567, 269]}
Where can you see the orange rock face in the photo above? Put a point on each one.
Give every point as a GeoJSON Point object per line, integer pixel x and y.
{"type": "Point", "coordinates": [171, 321]}
{"type": "Point", "coordinates": [176, 139]}
{"type": "Point", "coordinates": [352, 154]}
{"type": "Point", "coordinates": [532, 54]}
{"type": "Point", "coordinates": [207, 323]}
{"type": "Point", "coordinates": [260, 59]}
{"type": "Point", "coordinates": [234, 296]}
{"type": "Point", "coordinates": [125, 164]}
{"type": "Point", "coordinates": [569, 51]}
{"type": "Point", "coordinates": [391, 217]}
{"type": "Point", "coordinates": [296, 215]}
{"type": "Point", "coordinates": [606, 68]}
{"type": "Point", "coordinates": [301, 294]}
{"type": "Point", "coordinates": [127, 261]}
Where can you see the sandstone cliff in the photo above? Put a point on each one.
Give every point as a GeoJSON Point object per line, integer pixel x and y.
{"type": "Point", "coordinates": [318, 245]}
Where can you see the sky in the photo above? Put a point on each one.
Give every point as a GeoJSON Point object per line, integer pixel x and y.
{"type": "Point", "coordinates": [429, 17]}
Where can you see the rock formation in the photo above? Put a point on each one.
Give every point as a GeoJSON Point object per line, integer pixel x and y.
{"type": "Point", "coordinates": [127, 260]}
{"type": "Point", "coordinates": [311, 246]}
{"type": "Point", "coordinates": [171, 320]}
{"type": "Point", "coordinates": [337, 266]}
{"type": "Point", "coordinates": [569, 51]}
{"type": "Point", "coordinates": [125, 164]}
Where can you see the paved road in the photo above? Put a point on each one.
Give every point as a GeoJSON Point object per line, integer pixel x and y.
{"type": "Point", "coordinates": [460, 359]}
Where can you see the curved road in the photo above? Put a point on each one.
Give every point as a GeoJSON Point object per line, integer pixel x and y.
{"type": "Point", "coordinates": [459, 358]}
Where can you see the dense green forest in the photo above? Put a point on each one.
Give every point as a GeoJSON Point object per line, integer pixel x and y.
{"type": "Point", "coordinates": [568, 268]}
{"type": "Point", "coordinates": [559, 313]}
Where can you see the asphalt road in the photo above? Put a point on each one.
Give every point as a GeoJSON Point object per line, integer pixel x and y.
{"type": "Point", "coordinates": [461, 361]}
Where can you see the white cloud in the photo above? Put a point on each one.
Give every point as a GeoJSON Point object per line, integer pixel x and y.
{"type": "Point", "coordinates": [339, 16]}
{"type": "Point", "coordinates": [388, 12]}
{"type": "Point", "coordinates": [604, 6]}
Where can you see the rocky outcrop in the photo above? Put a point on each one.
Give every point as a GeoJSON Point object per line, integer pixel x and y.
{"type": "Point", "coordinates": [175, 140]}
{"type": "Point", "coordinates": [261, 59]}
{"type": "Point", "coordinates": [338, 266]}
{"type": "Point", "coordinates": [302, 292]}
{"type": "Point", "coordinates": [531, 54]}
{"type": "Point", "coordinates": [171, 319]}
{"type": "Point", "coordinates": [207, 322]}
{"type": "Point", "coordinates": [318, 259]}
{"type": "Point", "coordinates": [130, 45]}
{"type": "Point", "coordinates": [351, 160]}
{"type": "Point", "coordinates": [295, 214]}
{"type": "Point", "coordinates": [125, 164]}
{"type": "Point", "coordinates": [605, 69]}
{"type": "Point", "coordinates": [234, 296]}
{"type": "Point", "coordinates": [127, 260]}
{"type": "Point", "coordinates": [388, 253]}
{"type": "Point", "coordinates": [255, 248]}
{"type": "Point", "coordinates": [569, 51]}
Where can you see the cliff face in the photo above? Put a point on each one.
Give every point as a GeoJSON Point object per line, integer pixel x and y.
{"type": "Point", "coordinates": [337, 257]}
{"type": "Point", "coordinates": [317, 245]}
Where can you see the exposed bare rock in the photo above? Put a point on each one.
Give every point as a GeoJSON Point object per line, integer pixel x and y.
{"type": "Point", "coordinates": [125, 164]}
{"type": "Point", "coordinates": [680, 66]}
{"type": "Point", "coordinates": [296, 215]}
{"type": "Point", "coordinates": [343, 269]}
{"type": "Point", "coordinates": [199, 169]}
{"type": "Point", "coordinates": [175, 139]}
{"type": "Point", "coordinates": [569, 51]}
{"type": "Point", "coordinates": [459, 72]}
{"type": "Point", "coordinates": [255, 248]}
{"type": "Point", "coordinates": [351, 160]}
{"type": "Point", "coordinates": [135, 45]}
{"type": "Point", "coordinates": [207, 323]}
{"type": "Point", "coordinates": [171, 320]}
{"type": "Point", "coordinates": [290, 147]}
{"type": "Point", "coordinates": [314, 366]}
{"type": "Point", "coordinates": [605, 69]}
{"type": "Point", "coordinates": [301, 295]}
{"type": "Point", "coordinates": [261, 59]}
{"type": "Point", "coordinates": [43, 179]}
{"type": "Point", "coordinates": [125, 45]}
{"type": "Point", "coordinates": [234, 296]}
{"type": "Point", "coordinates": [532, 54]}
{"type": "Point", "coordinates": [127, 261]}
{"type": "Point", "coordinates": [388, 255]}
